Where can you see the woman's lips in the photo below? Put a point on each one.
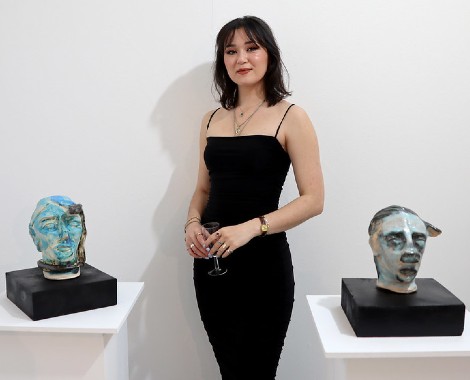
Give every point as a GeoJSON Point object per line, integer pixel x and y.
{"type": "Point", "coordinates": [243, 71]}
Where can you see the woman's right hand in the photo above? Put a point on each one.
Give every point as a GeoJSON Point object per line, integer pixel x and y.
{"type": "Point", "coordinates": [194, 241]}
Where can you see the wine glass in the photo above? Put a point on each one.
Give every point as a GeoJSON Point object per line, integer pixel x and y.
{"type": "Point", "coordinates": [207, 230]}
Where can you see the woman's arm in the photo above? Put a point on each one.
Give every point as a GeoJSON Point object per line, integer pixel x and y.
{"type": "Point", "coordinates": [302, 146]}
{"type": "Point", "coordinates": [198, 200]}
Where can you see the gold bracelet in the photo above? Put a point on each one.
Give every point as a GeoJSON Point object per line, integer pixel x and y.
{"type": "Point", "coordinates": [193, 218]}
{"type": "Point", "coordinates": [189, 222]}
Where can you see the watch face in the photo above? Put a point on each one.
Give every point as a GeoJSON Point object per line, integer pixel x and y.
{"type": "Point", "coordinates": [264, 225]}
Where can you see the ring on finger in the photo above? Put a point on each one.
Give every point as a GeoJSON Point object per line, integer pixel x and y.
{"type": "Point", "coordinates": [224, 246]}
{"type": "Point", "coordinates": [229, 251]}
{"type": "Point", "coordinates": [220, 242]}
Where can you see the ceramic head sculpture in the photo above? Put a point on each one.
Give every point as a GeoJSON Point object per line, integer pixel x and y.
{"type": "Point", "coordinates": [397, 236]}
{"type": "Point", "coordinates": [58, 230]}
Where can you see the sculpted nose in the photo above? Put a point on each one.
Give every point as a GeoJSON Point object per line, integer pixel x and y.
{"type": "Point", "coordinates": [410, 258]}
{"type": "Point", "coordinates": [64, 232]}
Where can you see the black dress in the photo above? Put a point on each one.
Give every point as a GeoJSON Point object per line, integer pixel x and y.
{"type": "Point", "coordinates": [246, 311]}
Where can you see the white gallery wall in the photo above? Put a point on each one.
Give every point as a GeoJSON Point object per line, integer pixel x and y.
{"type": "Point", "coordinates": [102, 100]}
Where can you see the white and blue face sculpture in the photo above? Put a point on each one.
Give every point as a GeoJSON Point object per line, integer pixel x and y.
{"type": "Point", "coordinates": [398, 236]}
{"type": "Point", "coordinates": [58, 230]}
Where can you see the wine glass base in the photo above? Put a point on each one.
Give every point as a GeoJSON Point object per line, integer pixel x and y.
{"type": "Point", "coordinates": [217, 272]}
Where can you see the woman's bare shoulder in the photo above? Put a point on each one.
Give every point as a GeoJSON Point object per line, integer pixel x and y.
{"type": "Point", "coordinates": [294, 116]}
{"type": "Point", "coordinates": [297, 112]}
{"type": "Point", "coordinates": [212, 115]}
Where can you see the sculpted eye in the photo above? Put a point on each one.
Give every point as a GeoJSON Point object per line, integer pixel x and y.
{"type": "Point", "coordinates": [395, 240]}
{"type": "Point", "coordinates": [74, 223]}
{"type": "Point", "coordinates": [419, 239]}
{"type": "Point", "coordinates": [49, 224]}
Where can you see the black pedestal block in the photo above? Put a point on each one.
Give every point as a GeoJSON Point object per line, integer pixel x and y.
{"type": "Point", "coordinates": [40, 298]}
{"type": "Point", "coordinates": [374, 312]}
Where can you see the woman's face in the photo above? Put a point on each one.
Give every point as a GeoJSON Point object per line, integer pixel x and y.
{"type": "Point", "coordinates": [246, 61]}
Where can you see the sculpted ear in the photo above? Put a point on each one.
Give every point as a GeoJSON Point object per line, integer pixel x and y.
{"type": "Point", "coordinates": [374, 243]}
{"type": "Point", "coordinates": [35, 240]}
{"type": "Point", "coordinates": [432, 231]}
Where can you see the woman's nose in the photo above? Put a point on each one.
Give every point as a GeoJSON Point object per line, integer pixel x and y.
{"type": "Point", "coordinates": [241, 58]}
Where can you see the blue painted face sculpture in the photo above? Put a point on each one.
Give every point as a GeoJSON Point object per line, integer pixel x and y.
{"type": "Point", "coordinates": [398, 236]}
{"type": "Point", "coordinates": [58, 229]}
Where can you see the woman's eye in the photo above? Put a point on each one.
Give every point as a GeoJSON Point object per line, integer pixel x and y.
{"type": "Point", "coordinates": [230, 52]}
{"type": "Point", "coordinates": [253, 48]}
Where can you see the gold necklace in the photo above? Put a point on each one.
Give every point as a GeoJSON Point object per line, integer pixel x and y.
{"type": "Point", "coordinates": [238, 128]}
{"type": "Point", "coordinates": [241, 111]}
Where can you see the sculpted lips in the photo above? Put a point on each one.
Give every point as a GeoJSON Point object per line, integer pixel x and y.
{"type": "Point", "coordinates": [64, 247]}
{"type": "Point", "coordinates": [408, 271]}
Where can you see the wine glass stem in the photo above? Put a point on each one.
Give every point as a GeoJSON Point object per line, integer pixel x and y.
{"type": "Point", "coordinates": [216, 261]}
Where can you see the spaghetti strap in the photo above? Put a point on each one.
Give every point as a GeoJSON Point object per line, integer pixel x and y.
{"type": "Point", "coordinates": [277, 130]}
{"type": "Point", "coordinates": [210, 119]}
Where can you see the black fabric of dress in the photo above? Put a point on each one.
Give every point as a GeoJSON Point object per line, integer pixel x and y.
{"type": "Point", "coordinates": [246, 311]}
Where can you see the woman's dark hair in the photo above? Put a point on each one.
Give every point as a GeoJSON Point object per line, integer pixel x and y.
{"type": "Point", "coordinates": [260, 32]}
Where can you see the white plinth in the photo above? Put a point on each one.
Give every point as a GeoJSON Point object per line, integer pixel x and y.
{"type": "Point", "coordinates": [350, 357]}
{"type": "Point", "coordinates": [90, 345]}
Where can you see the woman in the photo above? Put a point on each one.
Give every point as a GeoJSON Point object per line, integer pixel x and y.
{"type": "Point", "coordinates": [246, 148]}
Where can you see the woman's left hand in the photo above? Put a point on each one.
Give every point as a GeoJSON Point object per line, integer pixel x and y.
{"type": "Point", "coordinates": [228, 239]}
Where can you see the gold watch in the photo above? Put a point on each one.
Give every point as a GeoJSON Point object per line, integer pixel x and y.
{"type": "Point", "coordinates": [264, 228]}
